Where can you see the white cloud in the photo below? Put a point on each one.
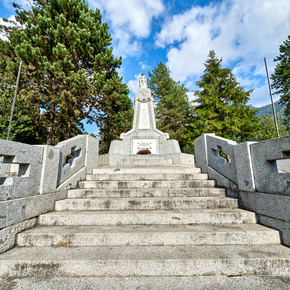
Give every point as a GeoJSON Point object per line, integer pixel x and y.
{"type": "Point", "coordinates": [8, 3]}
{"type": "Point", "coordinates": [144, 66]}
{"type": "Point", "coordinates": [244, 31]}
{"type": "Point", "coordinates": [133, 86]}
{"type": "Point", "coordinates": [191, 96]}
{"type": "Point", "coordinates": [11, 18]}
{"type": "Point", "coordinates": [128, 19]}
{"type": "Point", "coordinates": [262, 96]}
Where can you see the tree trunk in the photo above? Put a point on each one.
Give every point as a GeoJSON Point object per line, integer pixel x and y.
{"type": "Point", "coordinates": [37, 125]}
{"type": "Point", "coordinates": [67, 130]}
{"type": "Point", "coordinates": [50, 125]}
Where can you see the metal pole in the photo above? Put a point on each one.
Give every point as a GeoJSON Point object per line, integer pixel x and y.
{"type": "Point", "coordinates": [14, 99]}
{"type": "Point", "coordinates": [274, 112]}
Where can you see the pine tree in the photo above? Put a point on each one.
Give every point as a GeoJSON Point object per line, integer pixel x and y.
{"type": "Point", "coordinates": [68, 63]}
{"type": "Point", "coordinates": [117, 112]}
{"type": "Point", "coordinates": [172, 108]}
{"type": "Point", "coordinates": [268, 129]}
{"type": "Point", "coordinates": [281, 77]}
{"type": "Point", "coordinates": [221, 105]}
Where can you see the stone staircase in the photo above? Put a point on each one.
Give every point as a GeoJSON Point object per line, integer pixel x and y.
{"type": "Point", "coordinates": [147, 228]}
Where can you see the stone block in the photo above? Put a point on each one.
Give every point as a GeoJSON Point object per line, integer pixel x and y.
{"type": "Point", "coordinates": [8, 235]}
{"type": "Point", "coordinates": [271, 205]}
{"type": "Point", "coordinates": [50, 167]}
{"type": "Point", "coordinates": [78, 146]}
{"type": "Point", "coordinates": [221, 181]}
{"type": "Point", "coordinates": [3, 214]}
{"type": "Point", "coordinates": [92, 153]}
{"type": "Point", "coordinates": [180, 158]}
{"type": "Point", "coordinates": [28, 158]}
{"type": "Point", "coordinates": [17, 210]}
{"type": "Point", "coordinates": [4, 168]}
{"type": "Point", "coordinates": [283, 227]}
{"type": "Point", "coordinates": [104, 159]}
{"type": "Point", "coordinates": [200, 152]}
{"type": "Point", "coordinates": [168, 146]}
{"type": "Point", "coordinates": [216, 144]}
{"type": "Point", "coordinates": [244, 167]}
{"type": "Point", "coordinates": [266, 158]}
{"type": "Point", "coordinates": [73, 180]}
{"type": "Point", "coordinates": [121, 147]}
{"type": "Point", "coordinates": [36, 205]}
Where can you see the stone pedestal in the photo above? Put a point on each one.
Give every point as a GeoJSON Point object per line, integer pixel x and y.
{"type": "Point", "coordinates": [144, 135]}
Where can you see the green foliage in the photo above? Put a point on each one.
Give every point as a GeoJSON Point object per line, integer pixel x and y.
{"type": "Point", "coordinates": [172, 108]}
{"type": "Point", "coordinates": [22, 123]}
{"type": "Point", "coordinates": [68, 65]}
{"type": "Point", "coordinates": [268, 110]}
{"type": "Point", "coordinates": [221, 105]}
{"type": "Point", "coordinates": [117, 112]}
{"type": "Point", "coordinates": [281, 77]}
{"type": "Point", "coordinates": [268, 129]}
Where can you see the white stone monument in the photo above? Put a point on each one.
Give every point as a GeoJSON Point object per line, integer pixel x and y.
{"type": "Point", "coordinates": [144, 135]}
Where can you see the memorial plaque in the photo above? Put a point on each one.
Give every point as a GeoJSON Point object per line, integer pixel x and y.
{"type": "Point", "coordinates": [143, 144]}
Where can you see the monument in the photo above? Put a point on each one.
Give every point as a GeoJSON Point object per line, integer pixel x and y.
{"type": "Point", "coordinates": [144, 136]}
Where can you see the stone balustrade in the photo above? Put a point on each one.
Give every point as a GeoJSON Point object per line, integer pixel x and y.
{"type": "Point", "coordinates": [33, 177]}
{"type": "Point", "coordinates": [258, 173]}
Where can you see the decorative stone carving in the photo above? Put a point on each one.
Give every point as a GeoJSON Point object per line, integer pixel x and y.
{"type": "Point", "coordinates": [143, 82]}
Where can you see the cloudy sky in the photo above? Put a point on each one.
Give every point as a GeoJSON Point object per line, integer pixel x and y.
{"type": "Point", "coordinates": [181, 34]}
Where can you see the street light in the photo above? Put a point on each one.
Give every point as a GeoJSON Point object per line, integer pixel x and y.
{"type": "Point", "coordinates": [14, 99]}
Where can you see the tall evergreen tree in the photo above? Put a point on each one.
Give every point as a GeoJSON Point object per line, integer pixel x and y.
{"type": "Point", "coordinates": [221, 105]}
{"type": "Point", "coordinates": [117, 112]}
{"type": "Point", "coordinates": [68, 63]}
{"type": "Point", "coordinates": [172, 108]}
{"type": "Point", "coordinates": [281, 77]}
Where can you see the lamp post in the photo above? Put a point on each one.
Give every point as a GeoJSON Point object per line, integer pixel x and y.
{"type": "Point", "coordinates": [14, 99]}
{"type": "Point", "coordinates": [274, 112]}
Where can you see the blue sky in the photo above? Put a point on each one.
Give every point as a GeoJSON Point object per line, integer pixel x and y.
{"type": "Point", "coordinates": [181, 34]}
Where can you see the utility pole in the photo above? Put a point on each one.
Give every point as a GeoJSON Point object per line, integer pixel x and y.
{"type": "Point", "coordinates": [14, 99]}
{"type": "Point", "coordinates": [274, 112]}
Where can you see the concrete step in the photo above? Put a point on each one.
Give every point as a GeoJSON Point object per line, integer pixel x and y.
{"type": "Point", "coordinates": [147, 170]}
{"type": "Point", "coordinates": [145, 203]}
{"type": "Point", "coordinates": [146, 184]}
{"type": "Point", "coordinates": [145, 283]}
{"type": "Point", "coordinates": [145, 162]}
{"type": "Point", "coordinates": [130, 261]}
{"type": "Point", "coordinates": [146, 192]}
{"type": "Point", "coordinates": [147, 176]}
{"type": "Point", "coordinates": [152, 235]}
{"type": "Point", "coordinates": [143, 157]}
{"type": "Point", "coordinates": [185, 217]}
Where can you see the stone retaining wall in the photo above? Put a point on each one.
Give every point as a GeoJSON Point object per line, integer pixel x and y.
{"type": "Point", "coordinates": [258, 174]}
{"type": "Point", "coordinates": [33, 177]}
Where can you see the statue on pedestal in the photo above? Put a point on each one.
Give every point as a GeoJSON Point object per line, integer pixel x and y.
{"type": "Point", "coordinates": [143, 82]}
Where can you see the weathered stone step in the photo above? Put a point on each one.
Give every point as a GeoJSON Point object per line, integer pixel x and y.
{"type": "Point", "coordinates": [146, 156]}
{"type": "Point", "coordinates": [147, 170]}
{"type": "Point", "coordinates": [146, 184]}
{"type": "Point", "coordinates": [77, 236]}
{"type": "Point", "coordinates": [152, 283]}
{"type": "Point", "coordinates": [147, 176]}
{"type": "Point", "coordinates": [145, 203]}
{"type": "Point", "coordinates": [146, 192]}
{"type": "Point", "coordinates": [220, 216]}
{"type": "Point", "coordinates": [230, 260]}
{"type": "Point", "coordinates": [145, 162]}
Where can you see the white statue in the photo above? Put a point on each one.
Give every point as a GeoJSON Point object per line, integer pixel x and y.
{"type": "Point", "coordinates": [143, 82]}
